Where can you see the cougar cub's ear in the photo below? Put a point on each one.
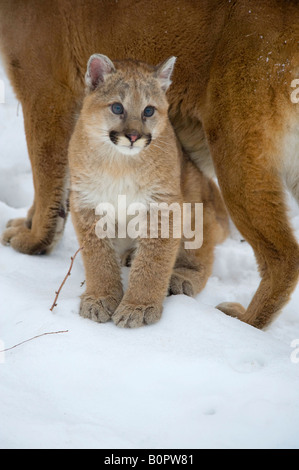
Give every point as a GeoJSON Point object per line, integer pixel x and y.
{"type": "Point", "coordinates": [164, 71]}
{"type": "Point", "coordinates": [98, 67]}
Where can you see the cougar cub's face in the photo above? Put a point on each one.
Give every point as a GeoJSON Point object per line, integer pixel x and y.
{"type": "Point", "coordinates": [126, 106]}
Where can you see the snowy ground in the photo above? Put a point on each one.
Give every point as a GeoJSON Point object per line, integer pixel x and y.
{"type": "Point", "coordinates": [197, 379]}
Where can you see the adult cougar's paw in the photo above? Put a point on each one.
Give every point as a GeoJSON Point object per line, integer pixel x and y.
{"type": "Point", "coordinates": [20, 221]}
{"type": "Point", "coordinates": [22, 239]}
{"type": "Point", "coordinates": [99, 309]}
{"type": "Point", "coordinates": [134, 316]}
{"type": "Point", "coordinates": [232, 309]}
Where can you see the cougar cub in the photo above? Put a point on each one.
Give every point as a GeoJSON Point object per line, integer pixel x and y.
{"type": "Point", "coordinates": [124, 151]}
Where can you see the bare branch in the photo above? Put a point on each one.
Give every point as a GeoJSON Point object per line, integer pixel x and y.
{"type": "Point", "coordinates": [34, 337]}
{"type": "Point", "coordinates": [71, 266]}
{"type": "Point", "coordinates": [64, 280]}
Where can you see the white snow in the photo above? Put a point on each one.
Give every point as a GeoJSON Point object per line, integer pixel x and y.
{"type": "Point", "coordinates": [197, 379]}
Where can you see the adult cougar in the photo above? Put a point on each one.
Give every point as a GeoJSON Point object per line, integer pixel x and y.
{"type": "Point", "coordinates": [231, 99]}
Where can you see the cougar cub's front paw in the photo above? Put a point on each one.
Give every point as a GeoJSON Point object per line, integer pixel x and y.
{"type": "Point", "coordinates": [134, 316]}
{"type": "Point", "coordinates": [99, 309]}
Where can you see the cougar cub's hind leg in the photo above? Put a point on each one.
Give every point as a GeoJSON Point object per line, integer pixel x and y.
{"type": "Point", "coordinates": [193, 267]}
{"type": "Point", "coordinates": [127, 257]}
{"type": "Point", "coordinates": [190, 274]}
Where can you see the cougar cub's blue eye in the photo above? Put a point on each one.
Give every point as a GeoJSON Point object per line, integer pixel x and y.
{"type": "Point", "coordinates": [148, 111]}
{"type": "Point", "coordinates": [117, 108]}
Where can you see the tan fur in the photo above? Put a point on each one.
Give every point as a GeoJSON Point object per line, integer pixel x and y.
{"type": "Point", "coordinates": [230, 99]}
{"type": "Point", "coordinates": [156, 172]}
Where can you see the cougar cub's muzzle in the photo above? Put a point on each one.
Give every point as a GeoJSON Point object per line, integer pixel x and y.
{"type": "Point", "coordinates": [130, 141]}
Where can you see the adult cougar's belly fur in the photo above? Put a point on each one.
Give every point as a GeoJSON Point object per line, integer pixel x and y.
{"type": "Point", "coordinates": [231, 99]}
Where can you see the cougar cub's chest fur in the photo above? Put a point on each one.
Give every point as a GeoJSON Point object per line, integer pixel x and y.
{"type": "Point", "coordinates": [103, 186]}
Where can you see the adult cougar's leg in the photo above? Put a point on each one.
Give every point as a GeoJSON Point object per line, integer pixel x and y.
{"type": "Point", "coordinates": [248, 173]}
{"type": "Point", "coordinates": [48, 120]}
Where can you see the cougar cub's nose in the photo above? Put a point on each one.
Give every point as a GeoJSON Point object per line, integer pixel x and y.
{"type": "Point", "coordinates": [133, 136]}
